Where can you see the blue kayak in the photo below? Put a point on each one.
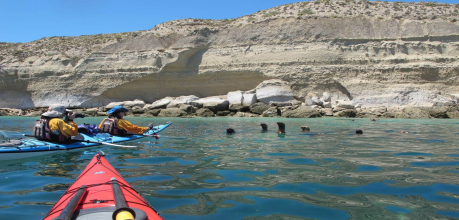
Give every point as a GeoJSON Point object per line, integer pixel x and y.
{"type": "Point", "coordinates": [23, 148]}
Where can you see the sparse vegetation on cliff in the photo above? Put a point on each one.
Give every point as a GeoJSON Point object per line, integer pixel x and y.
{"type": "Point", "coordinates": [81, 46]}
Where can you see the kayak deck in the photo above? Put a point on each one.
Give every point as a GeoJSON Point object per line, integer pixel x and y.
{"type": "Point", "coordinates": [98, 200]}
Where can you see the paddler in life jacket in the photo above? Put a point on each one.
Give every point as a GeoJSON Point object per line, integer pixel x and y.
{"type": "Point", "coordinates": [51, 127]}
{"type": "Point", "coordinates": [116, 125]}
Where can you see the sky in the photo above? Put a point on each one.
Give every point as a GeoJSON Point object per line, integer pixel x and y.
{"type": "Point", "coordinates": [28, 20]}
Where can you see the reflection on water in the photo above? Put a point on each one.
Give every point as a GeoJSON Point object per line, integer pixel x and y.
{"type": "Point", "coordinates": [196, 171]}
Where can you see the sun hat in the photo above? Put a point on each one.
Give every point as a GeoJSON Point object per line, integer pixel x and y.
{"type": "Point", "coordinates": [55, 111]}
{"type": "Point", "coordinates": [117, 108]}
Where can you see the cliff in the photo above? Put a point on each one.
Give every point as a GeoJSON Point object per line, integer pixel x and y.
{"type": "Point", "coordinates": [368, 53]}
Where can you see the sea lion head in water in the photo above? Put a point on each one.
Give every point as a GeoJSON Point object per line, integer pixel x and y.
{"type": "Point", "coordinates": [305, 129]}
{"type": "Point", "coordinates": [230, 131]}
{"type": "Point", "coordinates": [281, 129]}
{"type": "Point", "coordinates": [264, 127]}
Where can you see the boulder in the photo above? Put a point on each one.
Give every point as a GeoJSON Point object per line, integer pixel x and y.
{"type": "Point", "coordinates": [11, 112]}
{"type": "Point", "coordinates": [245, 115]}
{"type": "Point", "coordinates": [259, 108]}
{"type": "Point", "coordinates": [135, 103]}
{"type": "Point", "coordinates": [113, 104]}
{"type": "Point", "coordinates": [162, 103]}
{"type": "Point", "coordinates": [182, 100]}
{"type": "Point", "coordinates": [249, 99]}
{"type": "Point", "coordinates": [327, 111]}
{"type": "Point", "coordinates": [102, 114]}
{"type": "Point", "coordinates": [302, 112]}
{"type": "Point", "coordinates": [274, 90]}
{"type": "Point", "coordinates": [438, 112]}
{"type": "Point", "coordinates": [348, 113]}
{"type": "Point", "coordinates": [187, 108]}
{"type": "Point", "coordinates": [454, 115]}
{"type": "Point", "coordinates": [283, 104]}
{"type": "Point", "coordinates": [413, 112]}
{"type": "Point", "coordinates": [204, 112]}
{"type": "Point", "coordinates": [379, 110]}
{"type": "Point", "coordinates": [172, 112]}
{"type": "Point", "coordinates": [152, 113]}
{"type": "Point", "coordinates": [214, 104]}
{"type": "Point", "coordinates": [345, 105]}
{"type": "Point", "coordinates": [235, 98]}
{"type": "Point", "coordinates": [272, 112]}
{"type": "Point", "coordinates": [223, 113]}
{"type": "Point", "coordinates": [239, 108]}
{"type": "Point", "coordinates": [137, 110]}
{"type": "Point", "coordinates": [311, 99]}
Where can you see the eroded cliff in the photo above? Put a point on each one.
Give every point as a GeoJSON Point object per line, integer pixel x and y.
{"type": "Point", "coordinates": [370, 53]}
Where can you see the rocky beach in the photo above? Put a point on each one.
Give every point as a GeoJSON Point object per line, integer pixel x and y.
{"type": "Point", "coordinates": [327, 58]}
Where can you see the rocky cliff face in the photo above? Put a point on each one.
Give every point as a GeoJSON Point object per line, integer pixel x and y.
{"type": "Point", "coordinates": [369, 53]}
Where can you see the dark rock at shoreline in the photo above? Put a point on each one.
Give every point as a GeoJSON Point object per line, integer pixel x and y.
{"type": "Point", "coordinates": [152, 113]}
{"type": "Point", "coordinates": [204, 112]}
{"type": "Point", "coordinates": [438, 112]}
{"type": "Point", "coordinates": [224, 113]}
{"type": "Point", "coordinates": [259, 108]}
{"type": "Point", "coordinates": [302, 112]}
{"type": "Point", "coordinates": [172, 112]}
{"type": "Point", "coordinates": [239, 108]}
{"type": "Point", "coordinates": [349, 113]}
{"type": "Point", "coordinates": [137, 110]}
{"type": "Point", "coordinates": [272, 112]}
{"type": "Point", "coordinates": [413, 112]}
{"type": "Point", "coordinates": [187, 108]}
{"type": "Point", "coordinates": [245, 115]}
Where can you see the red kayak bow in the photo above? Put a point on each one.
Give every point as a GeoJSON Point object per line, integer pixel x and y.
{"type": "Point", "coordinates": [101, 193]}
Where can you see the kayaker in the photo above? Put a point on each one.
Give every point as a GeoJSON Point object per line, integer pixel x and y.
{"type": "Point", "coordinates": [116, 125]}
{"type": "Point", "coordinates": [51, 127]}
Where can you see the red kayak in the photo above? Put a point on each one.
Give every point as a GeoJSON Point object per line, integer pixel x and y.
{"type": "Point", "coordinates": [101, 193]}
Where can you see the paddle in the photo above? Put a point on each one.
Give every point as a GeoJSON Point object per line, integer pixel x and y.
{"type": "Point", "coordinates": [152, 135]}
{"type": "Point", "coordinates": [95, 142]}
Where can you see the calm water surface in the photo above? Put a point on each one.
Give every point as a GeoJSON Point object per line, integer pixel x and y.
{"type": "Point", "coordinates": [196, 171]}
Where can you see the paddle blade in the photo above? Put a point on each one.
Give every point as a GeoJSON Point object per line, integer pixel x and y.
{"type": "Point", "coordinates": [155, 135]}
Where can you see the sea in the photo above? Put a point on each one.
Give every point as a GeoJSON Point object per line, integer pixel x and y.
{"type": "Point", "coordinates": [197, 171]}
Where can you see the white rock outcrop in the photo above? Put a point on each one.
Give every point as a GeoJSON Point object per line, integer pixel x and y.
{"type": "Point", "coordinates": [215, 103]}
{"type": "Point", "coordinates": [249, 99]}
{"type": "Point", "coordinates": [162, 103]}
{"type": "Point", "coordinates": [274, 90]}
{"type": "Point", "coordinates": [135, 103]}
{"type": "Point", "coordinates": [235, 98]}
{"type": "Point", "coordinates": [177, 102]}
{"type": "Point", "coordinates": [113, 104]}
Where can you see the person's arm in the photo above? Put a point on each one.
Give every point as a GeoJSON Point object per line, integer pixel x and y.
{"type": "Point", "coordinates": [68, 130]}
{"type": "Point", "coordinates": [130, 127]}
{"type": "Point", "coordinates": [100, 125]}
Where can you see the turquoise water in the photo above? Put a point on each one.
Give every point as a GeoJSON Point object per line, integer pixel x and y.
{"type": "Point", "coordinates": [196, 171]}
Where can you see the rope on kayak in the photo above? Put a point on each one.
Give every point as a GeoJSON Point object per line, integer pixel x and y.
{"type": "Point", "coordinates": [71, 191]}
{"type": "Point", "coordinates": [127, 188]}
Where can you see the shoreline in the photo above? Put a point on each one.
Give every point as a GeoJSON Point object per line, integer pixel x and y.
{"type": "Point", "coordinates": [260, 110]}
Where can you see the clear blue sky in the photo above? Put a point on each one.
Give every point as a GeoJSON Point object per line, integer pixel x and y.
{"type": "Point", "coordinates": [28, 20]}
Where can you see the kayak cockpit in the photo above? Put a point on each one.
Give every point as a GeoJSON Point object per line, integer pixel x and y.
{"type": "Point", "coordinates": [104, 213]}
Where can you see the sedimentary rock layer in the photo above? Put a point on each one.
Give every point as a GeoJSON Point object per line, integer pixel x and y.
{"type": "Point", "coordinates": [369, 53]}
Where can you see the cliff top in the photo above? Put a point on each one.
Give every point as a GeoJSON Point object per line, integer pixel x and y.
{"type": "Point", "coordinates": [81, 46]}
